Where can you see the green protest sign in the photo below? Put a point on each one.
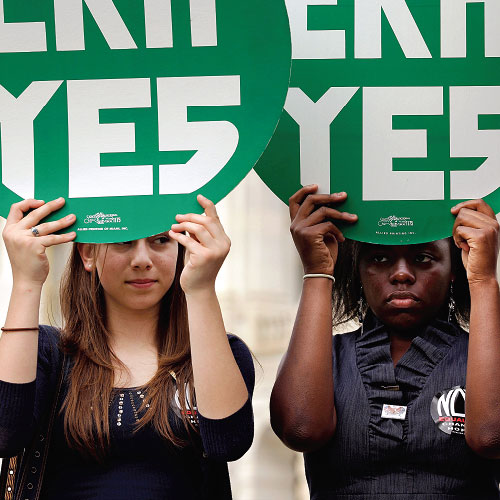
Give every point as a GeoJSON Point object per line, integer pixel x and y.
{"type": "Point", "coordinates": [130, 108]}
{"type": "Point", "coordinates": [397, 103]}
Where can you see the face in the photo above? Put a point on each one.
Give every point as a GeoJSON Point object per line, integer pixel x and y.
{"type": "Point", "coordinates": [406, 285]}
{"type": "Point", "coordinates": [135, 275]}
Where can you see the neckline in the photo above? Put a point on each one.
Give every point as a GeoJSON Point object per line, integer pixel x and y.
{"type": "Point", "coordinates": [378, 372]}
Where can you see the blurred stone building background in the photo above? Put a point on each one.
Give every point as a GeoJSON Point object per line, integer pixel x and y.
{"type": "Point", "coordinates": [258, 287]}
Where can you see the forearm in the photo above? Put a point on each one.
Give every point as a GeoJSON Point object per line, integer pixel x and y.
{"type": "Point", "coordinates": [18, 350]}
{"type": "Point", "coordinates": [302, 403]}
{"type": "Point", "coordinates": [483, 370]}
{"type": "Point", "coordinates": [220, 388]}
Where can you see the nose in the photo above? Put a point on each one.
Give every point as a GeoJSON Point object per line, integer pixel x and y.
{"type": "Point", "coordinates": [402, 272]}
{"type": "Point", "coordinates": [140, 257]}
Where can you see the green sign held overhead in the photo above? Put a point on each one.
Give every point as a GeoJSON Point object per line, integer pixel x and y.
{"type": "Point", "coordinates": [130, 108]}
{"type": "Point", "coordinates": [397, 103]}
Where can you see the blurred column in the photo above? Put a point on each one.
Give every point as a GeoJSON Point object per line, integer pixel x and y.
{"type": "Point", "coordinates": [258, 287]}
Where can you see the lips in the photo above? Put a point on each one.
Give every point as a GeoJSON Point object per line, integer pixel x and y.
{"type": "Point", "coordinates": [141, 283]}
{"type": "Point", "coordinates": [402, 299]}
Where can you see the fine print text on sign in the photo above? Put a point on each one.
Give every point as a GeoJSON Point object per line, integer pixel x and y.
{"type": "Point", "coordinates": [396, 102]}
{"type": "Point", "coordinates": [128, 109]}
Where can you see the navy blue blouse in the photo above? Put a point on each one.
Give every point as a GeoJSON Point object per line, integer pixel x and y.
{"type": "Point", "coordinates": [141, 465]}
{"type": "Point", "coordinates": [424, 455]}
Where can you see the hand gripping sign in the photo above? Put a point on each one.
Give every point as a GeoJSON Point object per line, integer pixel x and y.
{"type": "Point", "coordinates": [129, 108]}
{"type": "Point", "coordinates": [396, 102]}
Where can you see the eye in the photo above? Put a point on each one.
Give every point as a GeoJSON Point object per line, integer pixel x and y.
{"type": "Point", "coordinates": [161, 240]}
{"type": "Point", "coordinates": [423, 258]}
{"type": "Point", "coordinates": [123, 243]}
{"type": "Point", "coordinates": [380, 258]}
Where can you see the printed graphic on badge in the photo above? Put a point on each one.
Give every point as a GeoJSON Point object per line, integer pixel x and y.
{"type": "Point", "coordinates": [448, 410]}
{"type": "Point", "coordinates": [395, 412]}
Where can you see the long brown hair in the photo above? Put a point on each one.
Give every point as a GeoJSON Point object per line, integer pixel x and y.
{"type": "Point", "coordinates": [85, 339]}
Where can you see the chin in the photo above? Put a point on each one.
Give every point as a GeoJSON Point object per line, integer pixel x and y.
{"type": "Point", "coordinates": [405, 321]}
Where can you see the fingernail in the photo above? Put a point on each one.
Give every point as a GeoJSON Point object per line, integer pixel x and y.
{"type": "Point", "coordinates": [70, 216]}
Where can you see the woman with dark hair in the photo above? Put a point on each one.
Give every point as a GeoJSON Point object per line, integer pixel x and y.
{"type": "Point", "coordinates": [381, 412]}
{"type": "Point", "coordinates": [142, 394]}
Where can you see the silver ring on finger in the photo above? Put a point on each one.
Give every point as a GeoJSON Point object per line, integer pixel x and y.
{"type": "Point", "coordinates": [35, 231]}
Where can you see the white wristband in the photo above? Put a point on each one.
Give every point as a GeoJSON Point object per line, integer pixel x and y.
{"type": "Point", "coordinates": [329, 276]}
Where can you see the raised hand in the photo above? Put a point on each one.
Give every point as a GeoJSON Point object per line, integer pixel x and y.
{"type": "Point", "coordinates": [314, 233]}
{"type": "Point", "coordinates": [207, 245]}
{"type": "Point", "coordinates": [476, 232]}
{"type": "Point", "coordinates": [25, 247]}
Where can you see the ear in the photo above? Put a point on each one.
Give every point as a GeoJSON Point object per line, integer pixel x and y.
{"type": "Point", "coordinates": [87, 254]}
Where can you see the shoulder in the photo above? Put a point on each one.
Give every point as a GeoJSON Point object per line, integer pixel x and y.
{"type": "Point", "coordinates": [345, 340]}
{"type": "Point", "coordinates": [237, 344]}
{"type": "Point", "coordinates": [48, 343]}
{"type": "Point", "coordinates": [243, 358]}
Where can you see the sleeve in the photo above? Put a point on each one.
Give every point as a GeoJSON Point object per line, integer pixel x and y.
{"type": "Point", "coordinates": [22, 405]}
{"type": "Point", "coordinates": [229, 438]}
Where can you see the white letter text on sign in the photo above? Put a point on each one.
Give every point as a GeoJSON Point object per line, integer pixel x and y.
{"type": "Point", "coordinates": [314, 120]}
{"type": "Point", "coordinates": [368, 29]}
{"type": "Point", "coordinates": [466, 104]}
{"type": "Point", "coordinates": [88, 138]}
{"type": "Point", "coordinates": [159, 33]}
{"type": "Point", "coordinates": [70, 30]}
{"type": "Point", "coordinates": [17, 136]}
{"type": "Point", "coordinates": [381, 143]}
{"type": "Point", "coordinates": [454, 27]}
{"type": "Point", "coordinates": [214, 141]}
{"type": "Point", "coordinates": [317, 44]}
{"type": "Point", "coordinates": [21, 37]}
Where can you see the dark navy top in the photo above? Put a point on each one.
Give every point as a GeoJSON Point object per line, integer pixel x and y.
{"type": "Point", "coordinates": [140, 465]}
{"type": "Point", "coordinates": [424, 456]}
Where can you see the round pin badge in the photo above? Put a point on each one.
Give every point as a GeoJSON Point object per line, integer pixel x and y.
{"type": "Point", "coordinates": [448, 410]}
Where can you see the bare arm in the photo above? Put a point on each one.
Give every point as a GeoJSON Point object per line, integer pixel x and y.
{"type": "Point", "coordinates": [476, 232]}
{"type": "Point", "coordinates": [18, 350]}
{"type": "Point", "coordinates": [220, 388]}
{"type": "Point", "coordinates": [302, 403]}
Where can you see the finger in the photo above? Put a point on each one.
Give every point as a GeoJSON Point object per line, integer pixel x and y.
{"type": "Point", "coordinates": [329, 213]}
{"type": "Point", "coordinates": [208, 205]}
{"type": "Point", "coordinates": [201, 233]}
{"type": "Point", "coordinates": [477, 205]}
{"type": "Point", "coordinates": [17, 210]}
{"type": "Point", "coordinates": [213, 226]}
{"type": "Point", "coordinates": [324, 228]}
{"type": "Point", "coordinates": [186, 241]}
{"type": "Point", "coordinates": [33, 218]}
{"type": "Point", "coordinates": [478, 220]}
{"type": "Point", "coordinates": [52, 227]}
{"type": "Point", "coordinates": [56, 239]}
{"type": "Point", "coordinates": [312, 202]}
{"type": "Point", "coordinates": [329, 228]}
{"type": "Point", "coordinates": [296, 199]}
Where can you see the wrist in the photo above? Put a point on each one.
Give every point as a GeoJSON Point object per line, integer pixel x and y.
{"type": "Point", "coordinates": [26, 286]}
{"type": "Point", "coordinates": [318, 270]}
{"type": "Point", "coordinates": [205, 292]}
{"type": "Point", "coordinates": [480, 285]}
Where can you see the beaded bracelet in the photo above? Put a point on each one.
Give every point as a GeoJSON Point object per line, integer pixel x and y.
{"type": "Point", "coordinates": [19, 329]}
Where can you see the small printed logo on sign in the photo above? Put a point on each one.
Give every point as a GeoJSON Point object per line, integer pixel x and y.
{"type": "Point", "coordinates": [394, 221]}
{"type": "Point", "coordinates": [102, 218]}
{"type": "Point", "coordinates": [448, 410]}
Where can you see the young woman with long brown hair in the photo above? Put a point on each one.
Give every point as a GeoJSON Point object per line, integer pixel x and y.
{"type": "Point", "coordinates": [142, 394]}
